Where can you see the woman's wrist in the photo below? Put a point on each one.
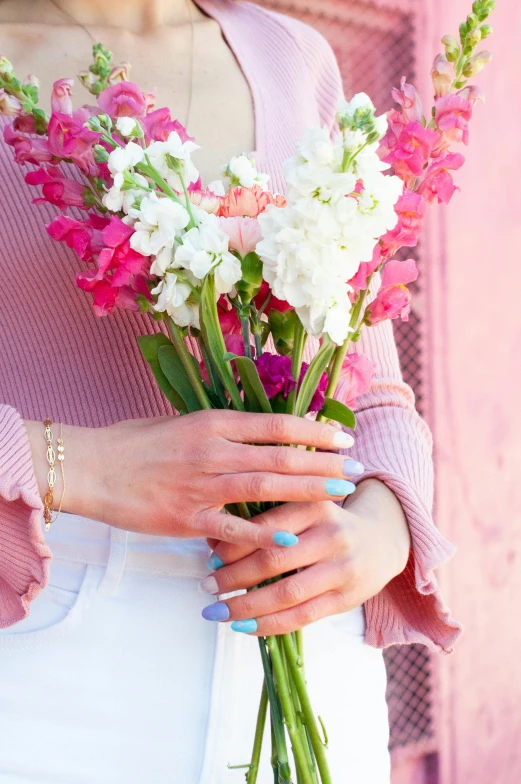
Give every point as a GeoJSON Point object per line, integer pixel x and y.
{"type": "Point", "coordinates": [81, 467]}
{"type": "Point", "coordinates": [375, 501]}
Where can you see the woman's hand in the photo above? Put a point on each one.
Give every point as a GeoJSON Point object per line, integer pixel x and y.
{"type": "Point", "coordinates": [346, 556]}
{"type": "Point", "coordinates": [171, 476]}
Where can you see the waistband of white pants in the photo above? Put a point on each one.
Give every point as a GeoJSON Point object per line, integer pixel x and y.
{"type": "Point", "coordinates": [81, 540]}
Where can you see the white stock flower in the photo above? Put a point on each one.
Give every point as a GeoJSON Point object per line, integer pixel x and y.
{"type": "Point", "coordinates": [123, 158]}
{"type": "Point", "coordinates": [376, 203]}
{"type": "Point", "coordinates": [159, 223]}
{"type": "Point", "coordinates": [217, 188]}
{"type": "Point", "coordinates": [117, 200]}
{"type": "Point", "coordinates": [173, 294]}
{"type": "Point", "coordinates": [359, 102]}
{"type": "Point", "coordinates": [242, 171]}
{"type": "Point", "coordinates": [205, 248]}
{"type": "Point", "coordinates": [180, 151]}
{"type": "Point", "coordinates": [126, 125]}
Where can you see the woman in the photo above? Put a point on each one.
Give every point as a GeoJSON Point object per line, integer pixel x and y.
{"type": "Point", "coordinates": [108, 672]}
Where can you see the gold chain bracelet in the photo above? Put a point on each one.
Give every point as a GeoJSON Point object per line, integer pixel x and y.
{"type": "Point", "coordinates": [51, 474]}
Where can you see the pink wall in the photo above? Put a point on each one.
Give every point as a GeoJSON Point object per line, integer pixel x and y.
{"type": "Point", "coordinates": [474, 329]}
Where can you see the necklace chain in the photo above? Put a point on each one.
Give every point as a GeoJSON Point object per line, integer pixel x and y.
{"type": "Point", "coordinates": [192, 49]}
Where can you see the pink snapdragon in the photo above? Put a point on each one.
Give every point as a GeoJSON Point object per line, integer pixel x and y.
{"type": "Point", "coordinates": [158, 125]}
{"type": "Point", "coordinates": [69, 138]}
{"type": "Point", "coordinates": [355, 379]}
{"type": "Point", "coordinates": [437, 182]}
{"type": "Point", "coordinates": [359, 282]}
{"type": "Point", "coordinates": [121, 272]}
{"type": "Point", "coordinates": [410, 208]}
{"type": "Point", "coordinates": [9, 104]}
{"type": "Point", "coordinates": [123, 99]}
{"type": "Point", "coordinates": [393, 298]}
{"type": "Point", "coordinates": [411, 150]}
{"type": "Point", "coordinates": [26, 148]}
{"type": "Point", "coordinates": [244, 233]}
{"type": "Point", "coordinates": [409, 100]}
{"type": "Point", "coordinates": [452, 114]}
{"type": "Point", "coordinates": [61, 96]}
{"type": "Point", "coordinates": [442, 74]}
{"type": "Point", "coordinates": [84, 237]}
{"type": "Point", "coordinates": [58, 189]}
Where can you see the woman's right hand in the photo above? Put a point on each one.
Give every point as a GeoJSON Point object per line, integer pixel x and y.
{"type": "Point", "coordinates": [171, 476]}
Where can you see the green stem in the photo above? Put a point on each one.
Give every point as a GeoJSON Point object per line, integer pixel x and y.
{"type": "Point", "coordinates": [313, 375]}
{"type": "Point", "coordinates": [277, 725]}
{"type": "Point", "coordinates": [251, 776]}
{"type": "Point", "coordinates": [188, 364]}
{"type": "Point", "coordinates": [288, 709]}
{"type": "Point", "coordinates": [307, 710]}
{"type": "Point", "coordinates": [299, 343]}
{"type": "Point", "coordinates": [299, 641]}
{"type": "Point", "coordinates": [245, 324]}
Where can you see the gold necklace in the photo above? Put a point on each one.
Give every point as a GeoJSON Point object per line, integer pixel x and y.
{"type": "Point", "coordinates": [192, 49]}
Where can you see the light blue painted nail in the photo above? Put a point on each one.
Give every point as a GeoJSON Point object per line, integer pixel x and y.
{"type": "Point", "coordinates": [214, 563]}
{"type": "Point", "coordinates": [285, 539]}
{"type": "Point", "coordinates": [339, 487]}
{"type": "Point", "coordinates": [216, 612]}
{"type": "Point", "coordinates": [246, 627]}
{"type": "Point", "coordinates": [353, 468]}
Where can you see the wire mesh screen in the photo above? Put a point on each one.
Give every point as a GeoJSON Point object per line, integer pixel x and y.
{"type": "Point", "coordinates": [375, 46]}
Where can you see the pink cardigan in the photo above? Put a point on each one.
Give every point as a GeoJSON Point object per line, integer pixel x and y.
{"type": "Point", "coordinates": [58, 360]}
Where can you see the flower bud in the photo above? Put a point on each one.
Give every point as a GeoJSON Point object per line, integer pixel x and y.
{"type": "Point", "coordinates": [476, 63]}
{"type": "Point", "coordinates": [452, 49]}
{"type": "Point", "coordinates": [441, 74]}
{"type": "Point", "coordinates": [6, 68]}
{"type": "Point", "coordinates": [9, 105]}
{"type": "Point", "coordinates": [100, 154]}
{"type": "Point", "coordinates": [473, 38]}
{"type": "Point", "coordinates": [93, 124]}
{"type": "Point", "coordinates": [472, 22]}
{"type": "Point", "coordinates": [87, 79]}
{"type": "Point", "coordinates": [463, 31]}
{"type": "Point", "coordinates": [120, 73]}
{"type": "Point", "coordinates": [486, 30]}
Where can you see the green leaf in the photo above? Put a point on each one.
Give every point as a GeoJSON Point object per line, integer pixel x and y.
{"type": "Point", "coordinates": [334, 409]}
{"type": "Point", "coordinates": [254, 393]}
{"type": "Point", "coordinates": [283, 327]}
{"type": "Point", "coordinates": [214, 341]}
{"type": "Point", "coordinates": [150, 345]}
{"type": "Point", "coordinates": [251, 280]}
{"type": "Point", "coordinates": [177, 376]}
{"type": "Point", "coordinates": [313, 375]}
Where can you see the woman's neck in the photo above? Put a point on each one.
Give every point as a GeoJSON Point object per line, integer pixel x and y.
{"type": "Point", "coordinates": [141, 16]}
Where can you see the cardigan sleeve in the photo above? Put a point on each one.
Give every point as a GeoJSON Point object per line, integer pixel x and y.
{"type": "Point", "coordinates": [392, 441]}
{"type": "Point", "coordinates": [24, 556]}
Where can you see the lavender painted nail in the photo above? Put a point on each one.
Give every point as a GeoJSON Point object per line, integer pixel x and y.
{"type": "Point", "coordinates": [353, 468]}
{"type": "Point", "coordinates": [216, 612]}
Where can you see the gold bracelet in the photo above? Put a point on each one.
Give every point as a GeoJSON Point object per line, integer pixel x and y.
{"type": "Point", "coordinates": [51, 474]}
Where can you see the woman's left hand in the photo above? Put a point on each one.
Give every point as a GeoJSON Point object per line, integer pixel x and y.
{"type": "Point", "coordinates": [345, 556]}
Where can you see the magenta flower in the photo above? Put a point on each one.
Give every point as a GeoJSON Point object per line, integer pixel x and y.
{"type": "Point", "coordinates": [61, 96]}
{"type": "Point", "coordinates": [453, 113]}
{"type": "Point", "coordinates": [409, 100]}
{"type": "Point", "coordinates": [356, 378]}
{"type": "Point", "coordinates": [69, 138]}
{"type": "Point", "coordinates": [360, 281]}
{"type": "Point", "coordinates": [275, 374]}
{"type": "Point", "coordinates": [159, 125]}
{"type": "Point", "coordinates": [438, 183]}
{"type": "Point", "coordinates": [317, 401]}
{"type": "Point", "coordinates": [123, 99]}
{"type": "Point", "coordinates": [393, 298]}
{"type": "Point", "coordinates": [410, 209]}
{"type": "Point", "coordinates": [84, 237]}
{"type": "Point", "coordinates": [411, 151]}
{"type": "Point", "coordinates": [57, 188]}
{"type": "Point", "coordinates": [27, 149]}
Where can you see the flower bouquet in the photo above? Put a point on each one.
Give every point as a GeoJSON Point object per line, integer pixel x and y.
{"type": "Point", "coordinates": [246, 274]}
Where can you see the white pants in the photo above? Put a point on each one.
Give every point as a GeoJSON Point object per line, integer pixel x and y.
{"type": "Point", "coordinates": [115, 678]}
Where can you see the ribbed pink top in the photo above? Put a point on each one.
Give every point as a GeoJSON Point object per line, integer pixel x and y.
{"type": "Point", "coordinates": [58, 360]}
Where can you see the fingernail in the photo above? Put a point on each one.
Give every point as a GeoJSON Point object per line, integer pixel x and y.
{"type": "Point", "coordinates": [209, 585]}
{"type": "Point", "coordinates": [353, 468]}
{"type": "Point", "coordinates": [339, 487]}
{"type": "Point", "coordinates": [214, 563]}
{"type": "Point", "coordinates": [246, 627]}
{"type": "Point", "coordinates": [343, 440]}
{"type": "Point", "coordinates": [285, 539]}
{"type": "Point", "coordinates": [216, 612]}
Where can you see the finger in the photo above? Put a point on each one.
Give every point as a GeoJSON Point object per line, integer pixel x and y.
{"type": "Point", "coordinates": [281, 429]}
{"type": "Point", "coordinates": [229, 528]}
{"type": "Point", "coordinates": [315, 545]}
{"type": "Point", "coordinates": [286, 460]}
{"type": "Point", "coordinates": [260, 486]}
{"type": "Point", "coordinates": [294, 517]}
{"type": "Point", "coordinates": [287, 621]}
